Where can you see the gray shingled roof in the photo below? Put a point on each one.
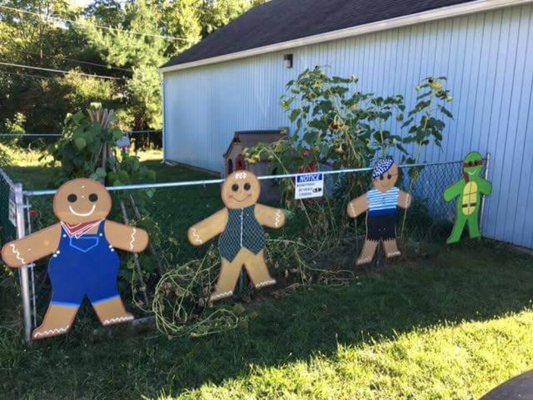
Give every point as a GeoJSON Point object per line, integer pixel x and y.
{"type": "Point", "coordinates": [282, 20]}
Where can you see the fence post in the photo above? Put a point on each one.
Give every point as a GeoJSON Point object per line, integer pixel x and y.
{"type": "Point", "coordinates": [23, 271]}
{"type": "Point", "coordinates": [482, 211]}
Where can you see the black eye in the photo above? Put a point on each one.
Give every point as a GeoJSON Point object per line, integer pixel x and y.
{"type": "Point", "coordinates": [72, 198]}
{"type": "Point", "coordinates": [389, 176]}
{"type": "Point", "coordinates": [470, 163]}
{"type": "Point", "coordinates": [381, 177]}
{"type": "Point", "coordinates": [235, 187]}
{"type": "Point", "coordinates": [247, 186]}
{"type": "Point", "coordinates": [93, 197]}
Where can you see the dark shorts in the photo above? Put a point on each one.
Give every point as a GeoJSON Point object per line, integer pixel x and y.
{"type": "Point", "coordinates": [381, 227]}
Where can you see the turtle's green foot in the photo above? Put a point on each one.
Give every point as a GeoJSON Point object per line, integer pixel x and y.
{"type": "Point", "coordinates": [452, 240]}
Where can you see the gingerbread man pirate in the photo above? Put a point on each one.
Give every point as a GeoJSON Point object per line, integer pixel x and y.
{"type": "Point", "coordinates": [381, 205]}
{"type": "Point", "coordinates": [84, 262]}
{"type": "Point", "coordinates": [242, 239]}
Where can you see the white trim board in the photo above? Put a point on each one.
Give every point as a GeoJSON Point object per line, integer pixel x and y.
{"type": "Point", "coordinates": [406, 20]}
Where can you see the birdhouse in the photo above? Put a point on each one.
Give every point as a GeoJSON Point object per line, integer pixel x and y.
{"type": "Point", "coordinates": [234, 158]}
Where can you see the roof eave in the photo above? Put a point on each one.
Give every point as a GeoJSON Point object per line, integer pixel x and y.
{"type": "Point", "coordinates": [406, 20]}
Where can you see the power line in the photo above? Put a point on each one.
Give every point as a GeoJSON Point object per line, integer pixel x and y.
{"type": "Point", "coordinates": [57, 71]}
{"type": "Point", "coordinates": [77, 61]}
{"type": "Point", "coordinates": [28, 75]}
{"type": "Point", "coordinates": [89, 22]}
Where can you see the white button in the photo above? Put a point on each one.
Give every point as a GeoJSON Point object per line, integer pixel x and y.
{"type": "Point", "coordinates": [64, 235]}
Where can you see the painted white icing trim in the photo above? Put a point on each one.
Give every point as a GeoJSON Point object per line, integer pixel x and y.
{"type": "Point", "coordinates": [406, 20]}
{"type": "Point", "coordinates": [265, 283]}
{"type": "Point", "coordinates": [16, 252]}
{"type": "Point", "coordinates": [133, 232]}
{"type": "Point", "coordinates": [221, 295]}
{"type": "Point", "coordinates": [277, 218]}
{"type": "Point", "coordinates": [51, 332]}
{"type": "Point", "coordinates": [196, 236]}
{"type": "Point", "coordinates": [117, 320]}
{"type": "Point", "coordinates": [393, 254]}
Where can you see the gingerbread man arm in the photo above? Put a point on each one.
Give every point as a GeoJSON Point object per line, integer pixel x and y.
{"type": "Point", "coordinates": [207, 229]}
{"type": "Point", "coordinates": [33, 247]}
{"type": "Point", "coordinates": [125, 237]}
{"type": "Point", "coordinates": [269, 216]}
{"type": "Point", "coordinates": [404, 199]}
{"type": "Point", "coordinates": [357, 206]}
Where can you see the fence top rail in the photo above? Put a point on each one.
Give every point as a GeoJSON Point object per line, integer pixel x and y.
{"type": "Point", "coordinates": [6, 178]}
{"type": "Point", "coordinates": [218, 181]}
{"type": "Point", "coordinates": [54, 134]}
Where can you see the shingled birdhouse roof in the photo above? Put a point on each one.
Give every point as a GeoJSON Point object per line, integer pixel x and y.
{"type": "Point", "coordinates": [249, 139]}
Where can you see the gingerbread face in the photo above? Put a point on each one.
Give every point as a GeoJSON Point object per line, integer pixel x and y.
{"type": "Point", "coordinates": [387, 180]}
{"type": "Point", "coordinates": [82, 200]}
{"type": "Point", "coordinates": [240, 190]}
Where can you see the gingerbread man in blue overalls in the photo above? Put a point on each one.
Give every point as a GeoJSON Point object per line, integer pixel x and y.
{"type": "Point", "coordinates": [84, 262]}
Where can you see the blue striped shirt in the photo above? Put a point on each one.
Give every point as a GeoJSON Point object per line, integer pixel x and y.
{"type": "Point", "coordinates": [383, 203]}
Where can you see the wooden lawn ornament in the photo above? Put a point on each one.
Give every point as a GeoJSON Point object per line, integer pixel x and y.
{"type": "Point", "coordinates": [84, 261]}
{"type": "Point", "coordinates": [242, 239]}
{"type": "Point", "coordinates": [468, 192]}
{"type": "Point", "coordinates": [381, 207]}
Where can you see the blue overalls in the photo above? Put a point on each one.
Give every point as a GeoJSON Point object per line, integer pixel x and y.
{"type": "Point", "coordinates": [84, 266]}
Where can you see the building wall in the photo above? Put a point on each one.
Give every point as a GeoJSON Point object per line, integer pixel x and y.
{"type": "Point", "coordinates": [487, 57]}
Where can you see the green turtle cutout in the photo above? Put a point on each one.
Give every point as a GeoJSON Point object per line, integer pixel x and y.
{"type": "Point", "coordinates": [468, 191]}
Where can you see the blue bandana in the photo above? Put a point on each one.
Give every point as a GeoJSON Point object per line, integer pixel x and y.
{"type": "Point", "coordinates": [382, 166]}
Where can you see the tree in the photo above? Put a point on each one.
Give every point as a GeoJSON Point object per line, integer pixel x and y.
{"type": "Point", "coordinates": [217, 13]}
{"type": "Point", "coordinates": [125, 40]}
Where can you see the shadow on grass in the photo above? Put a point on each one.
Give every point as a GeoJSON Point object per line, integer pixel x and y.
{"type": "Point", "coordinates": [467, 282]}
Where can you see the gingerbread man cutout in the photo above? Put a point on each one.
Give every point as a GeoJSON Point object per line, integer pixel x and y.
{"type": "Point", "coordinates": [242, 238]}
{"type": "Point", "coordinates": [84, 261]}
{"type": "Point", "coordinates": [381, 205]}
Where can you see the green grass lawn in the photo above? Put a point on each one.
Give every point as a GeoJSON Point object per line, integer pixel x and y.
{"type": "Point", "coordinates": [448, 326]}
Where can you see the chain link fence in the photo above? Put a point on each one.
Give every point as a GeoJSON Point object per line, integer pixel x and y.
{"type": "Point", "coordinates": [318, 245]}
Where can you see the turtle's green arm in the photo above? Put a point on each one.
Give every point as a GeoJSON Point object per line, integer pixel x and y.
{"type": "Point", "coordinates": [454, 190]}
{"type": "Point", "coordinates": [485, 187]}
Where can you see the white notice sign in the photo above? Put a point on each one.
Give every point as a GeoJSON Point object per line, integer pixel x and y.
{"type": "Point", "coordinates": [309, 185]}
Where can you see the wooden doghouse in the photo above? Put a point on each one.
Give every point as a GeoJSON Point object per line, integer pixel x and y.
{"type": "Point", "coordinates": [234, 158]}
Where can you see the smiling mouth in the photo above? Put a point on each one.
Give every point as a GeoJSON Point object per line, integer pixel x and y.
{"type": "Point", "coordinates": [240, 201]}
{"type": "Point", "coordinates": [471, 173]}
{"type": "Point", "coordinates": [78, 214]}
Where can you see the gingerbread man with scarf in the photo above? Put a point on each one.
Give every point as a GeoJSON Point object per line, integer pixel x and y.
{"type": "Point", "coordinates": [84, 262]}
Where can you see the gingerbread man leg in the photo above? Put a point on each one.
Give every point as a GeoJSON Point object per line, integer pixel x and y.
{"type": "Point", "coordinates": [257, 269]}
{"type": "Point", "coordinates": [102, 290]}
{"type": "Point", "coordinates": [57, 321]}
{"type": "Point", "coordinates": [229, 274]}
{"type": "Point", "coordinates": [367, 253]}
{"type": "Point", "coordinates": [391, 248]}
{"type": "Point", "coordinates": [67, 295]}
{"type": "Point", "coordinates": [112, 311]}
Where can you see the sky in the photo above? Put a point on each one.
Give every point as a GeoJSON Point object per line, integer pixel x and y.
{"type": "Point", "coordinates": [81, 3]}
